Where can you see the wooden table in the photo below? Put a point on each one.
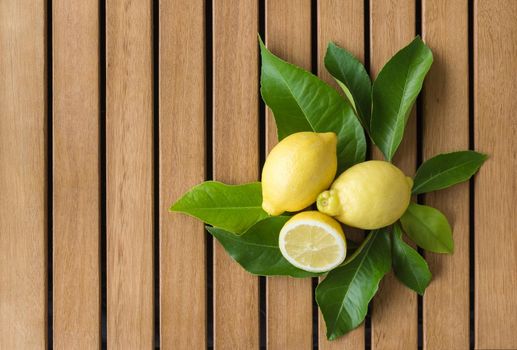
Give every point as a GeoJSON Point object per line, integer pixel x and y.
{"type": "Point", "coordinates": [111, 109]}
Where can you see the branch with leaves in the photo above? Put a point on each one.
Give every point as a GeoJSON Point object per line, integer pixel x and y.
{"type": "Point", "coordinates": [300, 101]}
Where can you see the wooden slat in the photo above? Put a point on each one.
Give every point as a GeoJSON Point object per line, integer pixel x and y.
{"type": "Point", "coordinates": [129, 140]}
{"type": "Point", "coordinates": [289, 300]}
{"type": "Point", "coordinates": [394, 316]}
{"type": "Point", "coordinates": [182, 165]}
{"type": "Point", "coordinates": [446, 128]}
{"type": "Point", "coordinates": [23, 176]}
{"type": "Point", "coordinates": [495, 125]}
{"type": "Point", "coordinates": [236, 147]}
{"type": "Point", "coordinates": [76, 201]}
{"type": "Point", "coordinates": [343, 23]}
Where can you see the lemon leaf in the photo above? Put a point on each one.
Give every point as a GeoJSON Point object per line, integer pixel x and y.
{"type": "Point", "coordinates": [344, 294]}
{"type": "Point", "coordinates": [353, 80]}
{"type": "Point", "coordinates": [445, 170]}
{"type": "Point", "coordinates": [394, 93]}
{"type": "Point", "coordinates": [300, 101]}
{"type": "Point", "coordinates": [233, 208]}
{"type": "Point", "coordinates": [409, 266]}
{"type": "Point", "coordinates": [257, 249]}
{"type": "Point", "coordinates": [428, 228]}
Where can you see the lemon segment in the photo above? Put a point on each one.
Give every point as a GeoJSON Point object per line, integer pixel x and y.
{"type": "Point", "coordinates": [296, 170]}
{"type": "Point", "coordinates": [369, 195]}
{"type": "Point", "coordinates": [313, 242]}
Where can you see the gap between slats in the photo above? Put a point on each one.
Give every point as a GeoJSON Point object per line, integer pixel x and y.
{"type": "Point", "coordinates": [50, 177]}
{"type": "Point", "coordinates": [262, 157]}
{"type": "Point", "coordinates": [472, 261]}
{"type": "Point", "coordinates": [103, 189]}
{"type": "Point", "coordinates": [314, 69]}
{"type": "Point", "coordinates": [419, 156]}
{"type": "Point", "coordinates": [209, 244]}
{"type": "Point", "coordinates": [156, 168]}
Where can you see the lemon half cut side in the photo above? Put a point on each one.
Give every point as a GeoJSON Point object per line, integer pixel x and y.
{"type": "Point", "coordinates": [313, 242]}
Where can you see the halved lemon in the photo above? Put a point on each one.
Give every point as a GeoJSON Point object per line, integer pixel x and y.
{"type": "Point", "coordinates": [313, 242]}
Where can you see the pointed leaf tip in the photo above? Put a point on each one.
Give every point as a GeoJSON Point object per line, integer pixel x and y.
{"type": "Point", "coordinates": [428, 228]}
{"type": "Point", "coordinates": [447, 169]}
{"type": "Point", "coordinates": [408, 265]}
{"type": "Point", "coordinates": [295, 96]}
{"type": "Point", "coordinates": [394, 92]}
{"type": "Point", "coordinates": [232, 207]}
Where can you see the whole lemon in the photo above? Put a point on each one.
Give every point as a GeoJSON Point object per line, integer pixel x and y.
{"type": "Point", "coordinates": [296, 170]}
{"type": "Point", "coordinates": [368, 195]}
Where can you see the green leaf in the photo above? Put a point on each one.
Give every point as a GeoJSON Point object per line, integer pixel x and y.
{"type": "Point", "coordinates": [394, 92]}
{"type": "Point", "coordinates": [352, 77]}
{"type": "Point", "coordinates": [257, 249]}
{"type": "Point", "coordinates": [428, 228]}
{"type": "Point", "coordinates": [446, 170]}
{"type": "Point", "coordinates": [352, 253]}
{"type": "Point", "coordinates": [233, 208]}
{"type": "Point", "coordinates": [344, 295]}
{"type": "Point", "coordinates": [300, 101]}
{"type": "Point", "coordinates": [409, 266]}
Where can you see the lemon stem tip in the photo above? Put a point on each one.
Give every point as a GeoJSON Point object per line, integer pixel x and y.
{"type": "Point", "coordinates": [270, 209]}
{"type": "Point", "coordinates": [328, 203]}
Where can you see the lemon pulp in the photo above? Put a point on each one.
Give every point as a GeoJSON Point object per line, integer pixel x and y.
{"type": "Point", "coordinates": [313, 242]}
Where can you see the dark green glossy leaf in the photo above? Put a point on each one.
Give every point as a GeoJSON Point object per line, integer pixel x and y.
{"type": "Point", "coordinates": [352, 77]}
{"type": "Point", "coordinates": [353, 253]}
{"type": "Point", "coordinates": [394, 92]}
{"type": "Point", "coordinates": [351, 246]}
{"type": "Point", "coordinates": [257, 249]}
{"type": "Point", "coordinates": [344, 295]}
{"type": "Point", "coordinates": [300, 101]}
{"type": "Point", "coordinates": [428, 228]}
{"type": "Point", "coordinates": [233, 208]}
{"type": "Point", "coordinates": [446, 170]}
{"type": "Point", "coordinates": [409, 266]}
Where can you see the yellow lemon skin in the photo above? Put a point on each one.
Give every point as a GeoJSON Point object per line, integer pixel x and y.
{"type": "Point", "coordinates": [369, 195]}
{"type": "Point", "coordinates": [312, 215]}
{"type": "Point", "coordinates": [296, 170]}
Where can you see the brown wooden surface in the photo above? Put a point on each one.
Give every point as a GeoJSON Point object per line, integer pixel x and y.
{"type": "Point", "coordinates": [394, 315]}
{"type": "Point", "coordinates": [343, 23]}
{"type": "Point", "coordinates": [23, 175]}
{"type": "Point", "coordinates": [77, 196]}
{"type": "Point", "coordinates": [288, 35]}
{"type": "Point", "coordinates": [446, 102]}
{"type": "Point", "coordinates": [129, 142]}
{"type": "Point", "coordinates": [236, 145]}
{"type": "Point", "coordinates": [495, 123]}
{"type": "Point", "coordinates": [76, 164]}
{"type": "Point", "coordinates": [182, 165]}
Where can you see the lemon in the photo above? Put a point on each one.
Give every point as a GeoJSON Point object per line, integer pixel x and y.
{"type": "Point", "coordinates": [369, 195]}
{"type": "Point", "coordinates": [313, 242]}
{"type": "Point", "coordinates": [297, 169]}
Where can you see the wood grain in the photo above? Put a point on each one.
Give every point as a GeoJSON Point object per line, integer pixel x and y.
{"type": "Point", "coordinates": [289, 300]}
{"type": "Point", "coordinates": [445, 129]}
{"type": "Point", "coordinates": [182, 165]}
{"type": "Point", "coordinates": [76, 195]}
{"type": "Point", "coordinates": [495, 125]}
{"type": "Point", "coordinates": [23, 175]}
{"type": "Point", "coordinates": [343, 23]}
{"type": "Point", "coordinates": [235, 160]}
{"type": "Point", "coordinates": [394, 315]}
{"type": "Point", "coordinates": [129, 141]}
